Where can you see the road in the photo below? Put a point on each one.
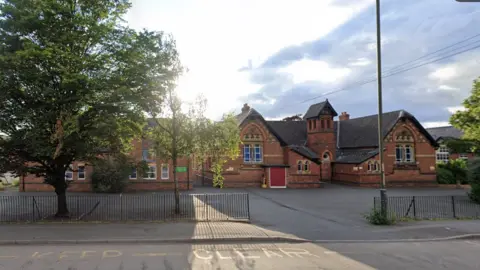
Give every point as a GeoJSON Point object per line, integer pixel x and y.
{"type": "Point", "coordinates": [419, 255]}
{"type": "Point", "coordinates": [412, 255]}
{"type": "Point", "coordinates": [144, 257]}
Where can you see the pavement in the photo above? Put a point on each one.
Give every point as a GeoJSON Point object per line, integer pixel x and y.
{"type": "Point", "coordinates": [174, 256]}
{"type": "Point", "coordinates": [175, 232]}
{"type": "Point", "coordinates": [214, 232]}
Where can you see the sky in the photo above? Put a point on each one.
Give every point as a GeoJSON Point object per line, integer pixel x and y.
{"type": "Point", "coordinates": [282, 56]}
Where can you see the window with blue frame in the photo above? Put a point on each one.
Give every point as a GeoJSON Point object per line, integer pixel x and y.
{"type": "Point", "coordinates": [258, 153]}
{"type": "Point", "coordinates": [252, 153]}
{"type": "Point", "coordinates": [246, 153]}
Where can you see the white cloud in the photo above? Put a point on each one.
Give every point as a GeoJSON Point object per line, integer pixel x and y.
{"type": "Point", "coordinates": [455, 109]}
{"type": "Point", "coordinates": [308, 70]}
{"type": "Point", "coordinates": [361, 62]}
{"type": "Point", "coordinates": [435, 124]}
{"type": "Point", "coordinates": [443, 74]}
{"type": "Point", "coordinates": [216, 37]}
{"type": "Point", "coordinates": [447, 88]}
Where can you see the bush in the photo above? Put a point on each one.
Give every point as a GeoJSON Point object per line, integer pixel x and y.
{"type": "Point", "coordinates": [16, 182]}
{"type": "Point", "coordinates": [449, 173]}
{"type": "Point", "coordinates": [445, 176]}
{"type": "Point", "coordinates": [111, 174]}
{"type": "Point", "coordinates": [2, 188]}
{"type": "Point", "coordinates": [375, 217]}
{"type": "Point", "coordinates": [473, 177]}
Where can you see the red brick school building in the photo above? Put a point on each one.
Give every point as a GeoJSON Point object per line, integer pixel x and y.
{"type": "Point", "coordinates": [302, 153]}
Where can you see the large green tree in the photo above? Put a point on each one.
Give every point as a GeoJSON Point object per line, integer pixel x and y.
{"type": "Point", "coordinates": [74, 83]}
{"type": "Point", "coordinates": [469, 120]}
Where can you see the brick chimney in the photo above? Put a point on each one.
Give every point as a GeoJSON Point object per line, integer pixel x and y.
{"type": "Point", "coordinates": [245, 108]}
{"type": "Point", "coordinates": [344, 116]}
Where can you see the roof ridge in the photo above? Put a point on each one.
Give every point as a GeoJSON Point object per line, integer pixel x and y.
{"type": "Point", "coordinates": [441, 127]}
{"type": "Point", "coordinates": [396, 111]}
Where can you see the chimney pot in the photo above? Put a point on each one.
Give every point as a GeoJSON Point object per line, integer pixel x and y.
{"type": "Point", "coordinates": [245, 108]}
{"type": "Point", "coordinates": [344, 116]}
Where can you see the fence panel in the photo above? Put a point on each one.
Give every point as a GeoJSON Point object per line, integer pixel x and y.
{"type": "Point", "coordinates": [430, 207]}
{"type": "Point", "coordinates": [128, 207]}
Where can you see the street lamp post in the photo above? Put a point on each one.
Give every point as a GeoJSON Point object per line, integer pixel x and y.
{"type": "Point", "coordinates": [383, 190]}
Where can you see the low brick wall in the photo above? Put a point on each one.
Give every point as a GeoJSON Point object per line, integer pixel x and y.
{"type": "Point", "coordinates": [450, 186]}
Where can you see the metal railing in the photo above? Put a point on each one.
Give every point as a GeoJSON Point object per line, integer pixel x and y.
{"type": "Point", "coordinates": [430, 207]}
{"type": "Point", "coordinates": [127, 207]}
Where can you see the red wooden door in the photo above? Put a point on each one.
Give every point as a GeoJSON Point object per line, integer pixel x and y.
{"type": "Point", "coordinates": [277, 177]}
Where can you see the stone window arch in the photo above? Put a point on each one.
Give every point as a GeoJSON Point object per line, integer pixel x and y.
{"type": "Point", "coordinates": [299, 166]}
{"type": "Point", "coordinates": [373, 166]}
{"type": "Point", "coordinates": [306, 166]}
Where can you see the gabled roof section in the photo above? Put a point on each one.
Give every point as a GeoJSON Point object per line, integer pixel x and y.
{"type": "Point", "coordinates": [446, 132]}
{"type": "Point", "coordinates": [363, 131]}
{"type": "Point", "coordinates": [304, 151]}
{"type": "Point", "coordinates": [316, 109]}
{"type": "Point", "coordinates": [355, 156]}
{"type": "Point", "coordinates": [290, 132]}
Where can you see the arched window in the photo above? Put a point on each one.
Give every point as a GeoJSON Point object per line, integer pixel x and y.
{"type": "Point", "coordinates": [306, 166]}
{"type": "Point", "coordinates": [299, 166]}
{"type": "Point", "coordinates": [373, 166]}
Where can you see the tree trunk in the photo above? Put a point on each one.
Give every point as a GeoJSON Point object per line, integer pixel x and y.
{"type": "Point", "coordinates": [174, 161]}
{"type": "Point", "coordinates": [177, 193]}
{"type": "Point", "coordinates": [61, 190]}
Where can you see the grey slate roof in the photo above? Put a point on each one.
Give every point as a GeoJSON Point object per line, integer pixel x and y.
{"type": "Point", "coordinates": [356, 137]}
{"type": "Point", "coordinates": [290, 132]}
{"type": "Point", "coordinates": [304, 151]}
{"type": "Point", "coordinates": [315, 109]}
{"type": "Point", "coordinates": [445, 132]}
{"type": "Point", "coordinates": [354, 155]}
{"type": "Point", "coordinates": [363, 131]}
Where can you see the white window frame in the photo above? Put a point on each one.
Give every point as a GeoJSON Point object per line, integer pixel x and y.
{"type": "Point", "coordinates": [251, 149]}
{"type": "Point", "coordinates": [403, 153]}
{"type": "Point", "coordinates": [442, 155]}
{"type": "Point", "coordinates": [78, 172]}
{"type": "Point", "coordinates": [163, 177]}
{"type": "Point", "coordinates": [134, 170]}
{"type": "Point", "coordinates": [69, 171]}
{"type": "Point", "coordinates": [373, 166]}
{"type": "Point", "coordinates": [463, 156]}
{"type": "Point", "coordinates": [149, 172]}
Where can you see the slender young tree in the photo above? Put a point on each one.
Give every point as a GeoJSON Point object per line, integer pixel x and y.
{"type": "Point", "coordinates": [74, 84]}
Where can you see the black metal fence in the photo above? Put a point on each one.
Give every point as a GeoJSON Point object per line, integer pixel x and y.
{"type": "Point", "coordinates": [127, 207]}
{"type": "Point", "coordinates": [430, 207]}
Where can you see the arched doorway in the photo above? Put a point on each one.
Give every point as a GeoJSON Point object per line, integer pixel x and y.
{"type": "Point", "coordinates": [326, 166]}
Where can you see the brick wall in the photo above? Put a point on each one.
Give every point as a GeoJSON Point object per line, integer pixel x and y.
{"type": "Point", "coordinates": [345, 173]}
{"type": "Point", "coordinates": [296, 179]}
{"type": "Point", "coordinates": [33, 183]}
{"type": "Point", "coordinates": [420, 173]}
{"type": "Point", "coordinates": [240, 174]}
